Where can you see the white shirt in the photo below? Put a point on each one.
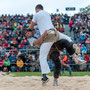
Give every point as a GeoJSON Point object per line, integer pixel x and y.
{"type": "Point", "coordinates": [43, 20]}
{"type": "Point", "coordinates": [31, 40]}
{"type": "Point", "coordinates": [63, 36]}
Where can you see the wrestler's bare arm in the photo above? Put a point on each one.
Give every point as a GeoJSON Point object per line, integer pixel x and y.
{"type": "Point", "coordinates": [39, 41]}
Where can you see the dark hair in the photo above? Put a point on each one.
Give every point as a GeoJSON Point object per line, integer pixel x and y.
{"type": "Point", "coordinates": [39, 6]}
{"type": "Point", "coordinates": [25, 30]}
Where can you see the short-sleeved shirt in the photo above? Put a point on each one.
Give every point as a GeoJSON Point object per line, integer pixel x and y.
{"type": "Point", "coordinates": [43, 20]}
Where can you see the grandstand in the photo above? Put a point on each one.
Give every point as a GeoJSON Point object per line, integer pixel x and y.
{"type": "Point", "coordinates": [12, 40]}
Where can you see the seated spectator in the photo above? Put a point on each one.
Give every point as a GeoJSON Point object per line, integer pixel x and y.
{"type": "Point", "coordinates": [25, 42]}
{"type": "Point", "coordinates": [88, 66]}
{"type": "Point", "coordinates": [3, 51]}
{"type": "Point", "coordinates": [27, 65]}
{"type": "Point", "coordinates": [37, 67]}
{"type": "Point", "coordinates": [83, 49]}
{"type": "Point", "coordinates": [86, 57]}
{"type": "Point", "coordinates": [13, 65]}
{"type": "Point", "coordinates": [12, 57]}
{"type": "Point", "coordinates": [6, 44]}
{"type": "Point", "coordinates": [88, 41]}
{"type": "Point", "coordinates": [23, 56]}
{"type": "Point", "coordinates": [51, 65]}
{"type": "Point", "coordinates": [88, 45]}
{"type": "Point", "coordinates": [21, 44]}
{"type": "Point", "coordinates": [81, 57]}
{"type": "Point", "coordinates": [14, 42]}
{"type": "Point", "coordinates": [33, 65]}
{"type": "Point", "coordinates": [19, 64]}
{"type": "Point", "coordinates": [82, 38]}
{"type": "Point", "coordinates": [6, 66]}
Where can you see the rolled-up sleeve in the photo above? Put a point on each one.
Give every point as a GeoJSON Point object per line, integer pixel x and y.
{"type": "Point", "coordinates": [34, 19]}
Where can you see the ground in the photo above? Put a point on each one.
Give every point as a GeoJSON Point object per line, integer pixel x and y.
{"type": "Point", "coordinates": [25, 82]}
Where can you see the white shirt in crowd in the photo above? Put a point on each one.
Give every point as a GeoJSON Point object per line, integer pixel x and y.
{"type": "Point", "coordinates": [43, 20]}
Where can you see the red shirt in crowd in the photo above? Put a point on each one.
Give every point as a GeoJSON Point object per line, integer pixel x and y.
{"type": "Point", "coordinates": [86, 58]}
{"type": "Point", "coordinates": [70, 24]}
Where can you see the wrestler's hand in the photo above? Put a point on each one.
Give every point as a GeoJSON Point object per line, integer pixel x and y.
{"type": "Point", "coordinates": [46, 32]}
{"type": "Point", "coordinates": [40, 40]}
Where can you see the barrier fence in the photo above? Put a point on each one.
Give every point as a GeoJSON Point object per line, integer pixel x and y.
{"type": "Point", "coordinates": [34, 66]}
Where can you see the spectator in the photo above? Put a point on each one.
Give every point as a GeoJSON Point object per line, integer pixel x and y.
{"type": "Point", "coordinates": [51, 65]}
{"type": "Point", "coordinates": [70, 25]}
{"type": "Point", "coordinates": [12, 57]}
{"type": "Point", "coordinates": [11, 38]}
{"type": "Point", "coordinates": [6, 66]}
{"type": "Point", "coordinates": [19, 64]}
{"type": "Point", "coordinates": [27, 65]}
{"type": "Point", "coordinates": [83, 49]}
{"type": "Point", "coordinates": [1, 63]}
{"type": "Point", "coordinates": [86, 57]}
{"type": "Point", "coordinates": [88, 45]}
{"type": "Point", "coordinates": [64, 62]}
{"type": "Point", "coordinates": [13, 65]}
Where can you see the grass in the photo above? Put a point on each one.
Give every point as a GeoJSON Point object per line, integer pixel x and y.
{"type": "Point", "coordinates": [21, 74]}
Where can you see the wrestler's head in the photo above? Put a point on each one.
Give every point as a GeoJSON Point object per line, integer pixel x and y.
{"type": "Point", "coordinates": [27, 33]}
{"type": "Point", "coordinates": [38, 8]}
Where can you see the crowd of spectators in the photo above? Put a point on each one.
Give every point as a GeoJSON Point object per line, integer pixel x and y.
{"type": "Point", "coordinates": [81, 30]}
{"type": "Point", "coordinates": [12, 41]}
{"type": "Point", "coordinates": [80, 26]}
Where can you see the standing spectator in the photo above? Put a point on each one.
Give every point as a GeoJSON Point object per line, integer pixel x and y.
{"type": "Point", "coordinates": [64, 61]}
{"type": "Point", "coordinates": [70, 25]}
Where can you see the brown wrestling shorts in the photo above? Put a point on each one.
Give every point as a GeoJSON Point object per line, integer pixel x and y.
{"type": "Point", "coordinates": [52, 36]}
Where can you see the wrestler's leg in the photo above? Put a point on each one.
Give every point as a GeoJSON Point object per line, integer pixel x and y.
{"type": "Point", "coordinates": [44, 50]}
{"type": "Point", "coordinates": [63, 36]}
{"type": "Point", "coordinates": [55, 58]}
{"type": "Point", "coordinates": [70, 49]}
